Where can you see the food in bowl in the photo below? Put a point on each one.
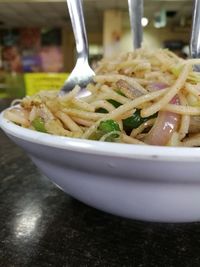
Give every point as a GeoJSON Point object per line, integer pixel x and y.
{"type": "Point", "coordinates": [137, 98]}
{"type": "Point", "coordinates": [142, 97]}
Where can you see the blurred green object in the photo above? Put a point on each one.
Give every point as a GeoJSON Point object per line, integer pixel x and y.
{"type": "Point", "coordinates": [15, 87]}
{"type": "Point", "coordinates": [3, 95]}
{"type": "Point", "coordinates": [3, 86]}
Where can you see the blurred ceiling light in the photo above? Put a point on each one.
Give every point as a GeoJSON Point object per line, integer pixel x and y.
{"type": "Point", "coordinates": [144, 22]}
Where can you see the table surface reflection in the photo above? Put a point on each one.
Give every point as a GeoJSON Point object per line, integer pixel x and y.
{"type": "Point", "coordinates": [42, 226]}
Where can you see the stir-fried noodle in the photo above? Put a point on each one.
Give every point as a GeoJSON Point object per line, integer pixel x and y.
{"type": "Point", "coordinates": [142, 97]}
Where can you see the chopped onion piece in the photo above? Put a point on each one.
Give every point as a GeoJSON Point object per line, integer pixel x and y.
{"type": "Point", "coordinates": [157, 86]}
{"type": "Point", "coordinates": [166, 123]}
{"type": "Point", "coordinates": [128, 90]}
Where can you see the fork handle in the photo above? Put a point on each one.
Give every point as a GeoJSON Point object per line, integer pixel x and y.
{"type": "Point", "coordinates": [135, 14]}
{"type": "Point", "coordinates": [195, 36]}
{"type": "Point", "coordinates": [78, 24]}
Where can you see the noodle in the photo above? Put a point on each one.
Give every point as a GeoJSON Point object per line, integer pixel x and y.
{"type": "Point", "coordinates": [143, 97]}
{"type": "Point", "coordinates": [68, 122]}
{"type": "Point", "coordinates": [142, 127]}
{"type": "Point", "coordinates": [185, 120]}
{"type": "Point", "coordinates": [171, 92]}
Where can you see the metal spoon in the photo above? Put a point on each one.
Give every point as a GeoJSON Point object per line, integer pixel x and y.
{"type": "Point", "coordinates": [136, 14]}
{"type": "Point", "coordinates": [195, 35]}
{"type": "Point", "coordinates": [82, 73]}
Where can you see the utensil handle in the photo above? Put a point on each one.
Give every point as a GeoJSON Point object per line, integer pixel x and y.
{"type": "Point", "coordinates": [136, 14]}
{"type": "Point", "coordinates": [78, 24]}
{"type": "Point", "coordinates": [195, 35]}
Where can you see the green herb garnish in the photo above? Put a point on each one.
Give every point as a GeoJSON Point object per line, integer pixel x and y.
{"type": "Point", "coordinates": [135, 121]}
{"type": "Point", "coordinates": [38, 124]}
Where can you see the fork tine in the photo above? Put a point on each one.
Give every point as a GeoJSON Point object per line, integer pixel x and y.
{"type": "Point", "coordinates": [82, 73]}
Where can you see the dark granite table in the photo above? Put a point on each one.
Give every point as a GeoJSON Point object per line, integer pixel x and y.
{"type": "Point", "coordinates": [41, 226]}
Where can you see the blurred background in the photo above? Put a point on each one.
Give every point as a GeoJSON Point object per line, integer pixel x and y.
{"type": "Point", "coordinates": [37, 46]}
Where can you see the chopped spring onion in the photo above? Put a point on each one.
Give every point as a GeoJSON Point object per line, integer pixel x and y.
{"type": "Point", "coordinates": [109, 126]}
{"type": "Point", "coordinates": [135, 121]}
{"type": "Point", "coordinates": [39, 125]}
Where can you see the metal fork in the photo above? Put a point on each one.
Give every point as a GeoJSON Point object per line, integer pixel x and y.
{"type": "Point", "coordinates": [195, 35]}
{"type": "Point", "coordinates": [135, 14]}
{"type": "Point", "coordinates": [82, 73]}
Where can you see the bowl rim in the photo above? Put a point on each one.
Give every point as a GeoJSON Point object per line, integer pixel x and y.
{"type": "Point", "coordinates": [133, 151]}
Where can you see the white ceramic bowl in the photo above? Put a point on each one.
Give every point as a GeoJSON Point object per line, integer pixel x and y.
{"type": "Point", "coordinates": [139, 182]}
